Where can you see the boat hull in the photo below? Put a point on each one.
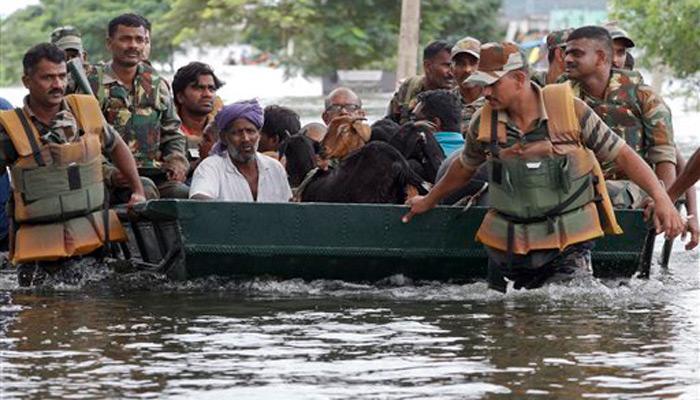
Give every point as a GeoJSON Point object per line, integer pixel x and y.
{"type": "Point", "coordinates": [352, 242]}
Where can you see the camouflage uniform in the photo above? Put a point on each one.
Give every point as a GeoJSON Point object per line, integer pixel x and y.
{"type": "Point", "coordinates": [145, 117]}
{"type": "Point", "coordinates": [468, 109]}
{"type": "Point", "coordinates": [555, 39]}
{"type": "Point", "coordinates": [637, 114]}
{"type": "Point", "coordinates": [404, 100]}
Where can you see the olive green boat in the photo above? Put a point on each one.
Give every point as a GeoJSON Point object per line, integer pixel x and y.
{"type": "Point", "coordinates": [353, 242]}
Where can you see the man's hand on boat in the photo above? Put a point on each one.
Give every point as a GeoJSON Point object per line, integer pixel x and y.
{"type": "Point", "coordinates": [136, 198]}
{"type": "Point", "coordinates": [690, 224]}
{"type": "Point", "coordinates": [457, 174]}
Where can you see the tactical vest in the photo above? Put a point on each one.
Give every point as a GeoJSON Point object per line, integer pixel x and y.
{"type": "Point", "coordinates": [137, 117]}
{"type": "Point", "coordinates": [58, 189]}
{"type": "Point", "coordinates": [546, 191]}
{"type": "Point", "coordinates": [621, 111]}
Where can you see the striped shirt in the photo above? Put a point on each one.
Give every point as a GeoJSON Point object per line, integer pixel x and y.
{"type": "Point", "coordinates": [594, 134]}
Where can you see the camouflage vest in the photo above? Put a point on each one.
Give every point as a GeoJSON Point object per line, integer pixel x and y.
{"type": "Point", "coordinates": [136, 115]}
{"type": "Point", "coordinates": [620, 110]}
{"type": "Point", "coordinates": [559, 192]}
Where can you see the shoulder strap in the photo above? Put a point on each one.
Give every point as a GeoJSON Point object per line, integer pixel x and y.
{"type": "Point", "coordinates": [559, 103]}
{"type": "Point", "coordinates": [24, 135]}
{"type": "Point", "coordinates": [490, 130]}
{"type": "Point", "coordinates": [87, 112]}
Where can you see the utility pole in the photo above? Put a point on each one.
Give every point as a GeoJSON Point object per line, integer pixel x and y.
{"type": "Point", "coordinates": [408, 39]}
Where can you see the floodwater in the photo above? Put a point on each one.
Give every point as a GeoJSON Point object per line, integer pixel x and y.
{"type": "Point", "coordinates": [139, 336]}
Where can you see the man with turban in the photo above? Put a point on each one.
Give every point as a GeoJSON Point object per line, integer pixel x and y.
{"type": "Point", "coordinates": [235, 171]}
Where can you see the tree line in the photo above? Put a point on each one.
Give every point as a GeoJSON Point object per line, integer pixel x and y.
{"type": "Point", "coordinates": [312, 36]}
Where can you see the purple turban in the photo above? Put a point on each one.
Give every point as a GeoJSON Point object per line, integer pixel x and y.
{"type": "Point", "coordinates": [248, 109]}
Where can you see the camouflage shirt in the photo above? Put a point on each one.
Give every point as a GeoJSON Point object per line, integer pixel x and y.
{"type": "Point", "coordinates": [637, 114]}
{"type": "Point", "coordinates": [404, 100]}
{"type": "Point", "coordinates": [62, 129]}
{"type": "Point", "coordinates": [144, 115]}
{"type": "Point", "coordinates": [468, 109]}
{"type": "Point", "coordinates": [539, 77]}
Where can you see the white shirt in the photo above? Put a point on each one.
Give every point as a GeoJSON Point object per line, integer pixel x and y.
{"type": "Point", "coordinates": [217, 177]}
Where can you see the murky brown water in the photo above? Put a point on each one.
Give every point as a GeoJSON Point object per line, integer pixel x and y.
{"type": "Point", "coordinates": [141, 337]}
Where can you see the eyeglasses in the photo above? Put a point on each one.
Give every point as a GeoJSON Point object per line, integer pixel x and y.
{"type": "Point", "coordinates": [339, 107]}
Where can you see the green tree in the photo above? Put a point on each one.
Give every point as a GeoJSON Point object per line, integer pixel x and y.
{"type": "Point", "coordinates": [32, 25]}
{"type": "Point", "coordinates": [666, 30]}
{"type": "Point", "coordinates": [321, 36]}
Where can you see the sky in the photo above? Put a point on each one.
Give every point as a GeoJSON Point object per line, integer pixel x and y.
{"type": "Point", "coordinates": [7, 7]}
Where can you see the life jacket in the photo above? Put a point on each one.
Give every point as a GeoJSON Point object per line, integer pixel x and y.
{"type": "Point", "coordinates": [136, 118]}
{"type": "Point", "coordinates": [58, 189]}
{"type": "Point", "coordinates": [621, 111]}
{"type": "Point", "coordinates": [546, 191]}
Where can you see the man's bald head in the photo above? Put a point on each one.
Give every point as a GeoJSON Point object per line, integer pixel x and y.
{"type": "Point", "coordinates": [342, 101]}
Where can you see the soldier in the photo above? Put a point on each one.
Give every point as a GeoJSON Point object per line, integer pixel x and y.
{"type": "Point", "coordinates": [465, 58]}
{"type": "Point", "coordinates": [556, 45]}
{"type": "Point", "coordinates": [438, 75]}
{"type": "Point", "coordinates": [68, 39]}
{"type": "Point", "coordinates": [630, 108]}
{"type": "Point", "coordinates": [543, 218]}
{"type": "Point", "coordinates": [137, 102]}
{"type": "Point", "coordinates": [621, 43]}
{"type": "Point", "coordinates": [53, 148]}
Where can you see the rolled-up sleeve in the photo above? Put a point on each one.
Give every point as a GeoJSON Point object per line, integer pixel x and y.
{"type": "Point", "coordinates": [473, 154]}
{"type": "Point", "coordinates": [658, 128]}
{"type": "Point", "coordinates": [596, 135]}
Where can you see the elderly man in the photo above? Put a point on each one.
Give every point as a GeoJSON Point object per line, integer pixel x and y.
{"type": "Point", "coordinates": [437, 67]}
{"type": "Point", "coordinates": [236, 171]}
{"type": "Point", "coordinates": [542, 221]}
{"type": "Point", "coordinates": [465, 58]}
{"type": "Point", "coordinates": [341, 102]}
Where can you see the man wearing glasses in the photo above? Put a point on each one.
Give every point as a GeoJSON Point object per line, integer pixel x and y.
{"type": "Point", "coordinates": [341, 102]}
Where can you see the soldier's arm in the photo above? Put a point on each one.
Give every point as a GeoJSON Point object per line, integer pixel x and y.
{"type": "Point", "coordinates": [172, 140]}
{"type": "Point", "coordinates": [687, 178]}
{"type": "Point", "coordinates": [124, 161]}
{"type": "Point", "coordinates": [658, 134]}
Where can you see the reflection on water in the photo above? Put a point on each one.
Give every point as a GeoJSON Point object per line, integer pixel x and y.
{"type": "Point", "coordinates": [141, 336]}
{"type": "Point", "coordinates": [327, 339]}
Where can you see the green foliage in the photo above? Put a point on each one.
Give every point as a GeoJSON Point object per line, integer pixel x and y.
{"type": "Point", "coordinates": [666, 30]}
{"type": "Point", "coordinates": [33, 25]}
{"type": "Point", "coordinates": [316, 36]}
{"type": "Point", "coordinates": [321, 36]}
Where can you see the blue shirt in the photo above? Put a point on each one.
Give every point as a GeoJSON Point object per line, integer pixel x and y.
{"type": "Point", "coordinates": [449, 141]}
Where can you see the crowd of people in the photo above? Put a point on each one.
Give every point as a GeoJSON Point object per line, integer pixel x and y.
{"type": "Point", "coordinates": [570, 144]}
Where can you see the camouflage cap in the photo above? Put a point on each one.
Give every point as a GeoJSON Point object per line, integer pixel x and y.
{"type": "Point", "coordinates": [497, 59]}
{"type": "Point", "coordinates": [558, 38]}
{"type": "Point", "coordinates": [67, 37]}
{"type": "Point", "coordinates": [618, 33]}
{"type": "Point", "coordinates": [467, 45]}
